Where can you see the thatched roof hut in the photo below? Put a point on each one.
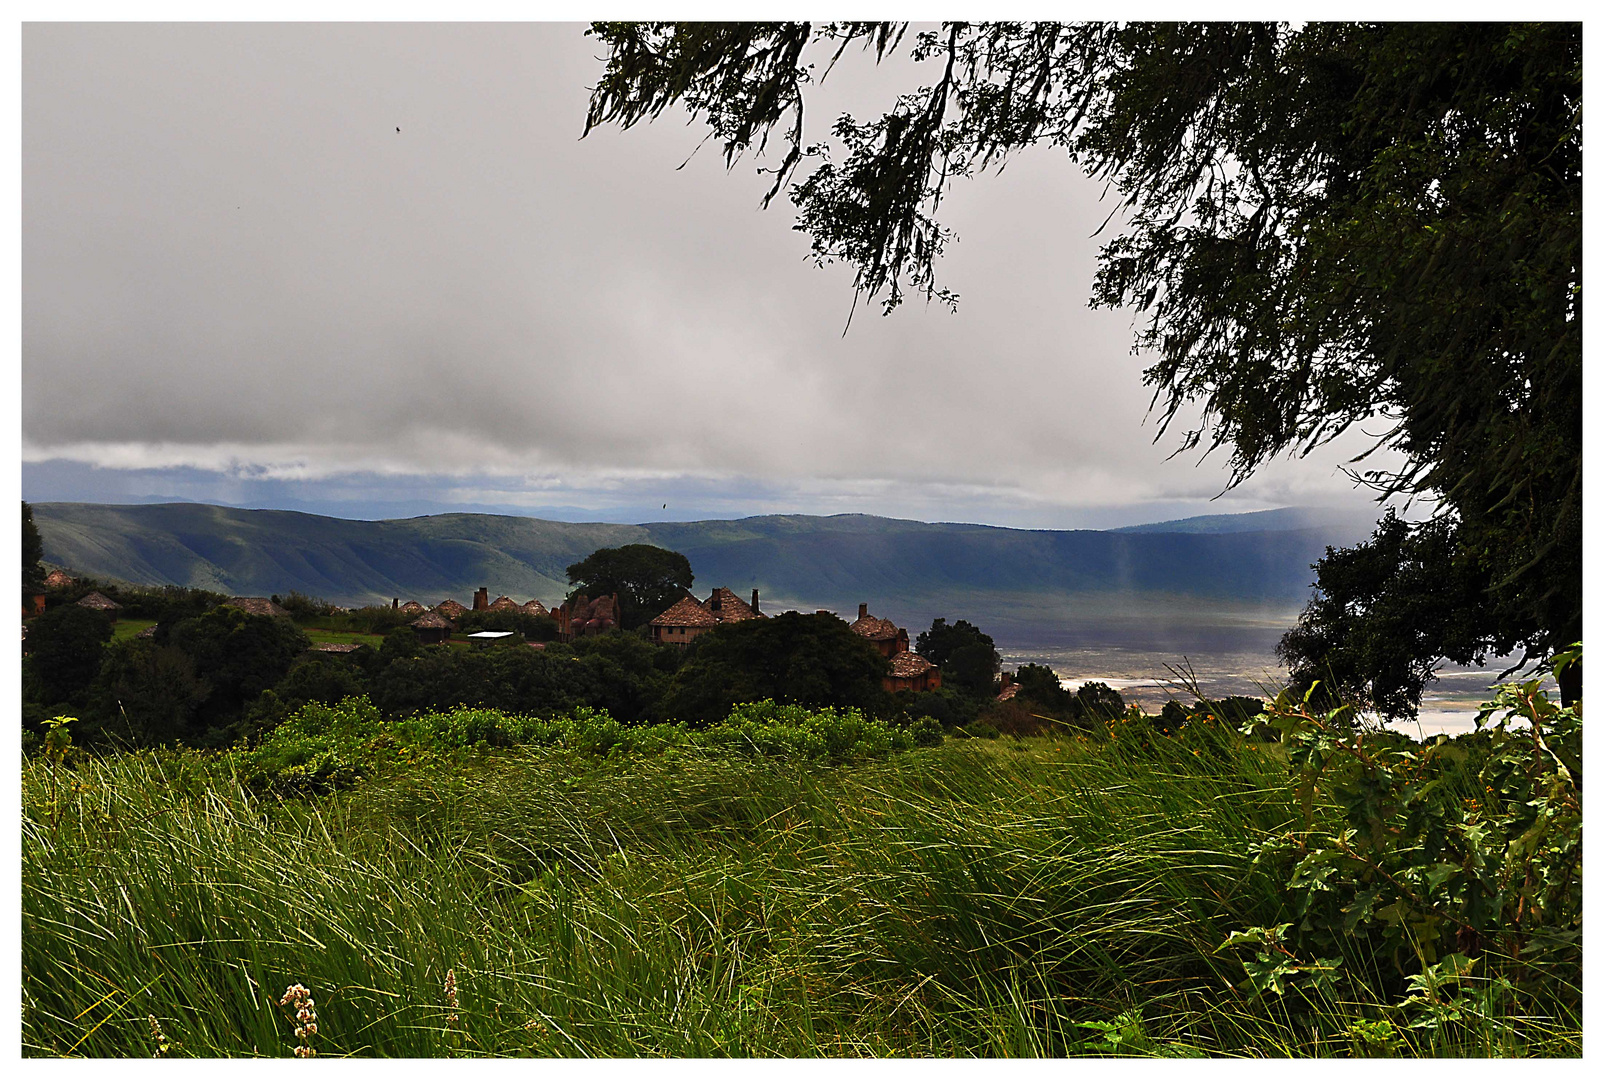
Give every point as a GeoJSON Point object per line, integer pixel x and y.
{"type": "Point", "coordinates": [256, 605]}
{"type": "Point", "coordinates": [432, 628]}
{"type": "Point", "coordinates": [96, 602]}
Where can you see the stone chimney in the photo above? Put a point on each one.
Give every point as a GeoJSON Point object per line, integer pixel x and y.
{"type": "Point", "coordinates": [863, 611]}
{"type": "Point", "coordinates": [716, 602]}
{"type": "Point", "coordinates": [754, 602]}
{"type": "Point", "coordinates": [481, 599]}
{"type": "Point", "coordinates": [395, 602]}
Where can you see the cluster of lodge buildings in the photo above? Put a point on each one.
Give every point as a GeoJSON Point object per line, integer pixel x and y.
{"type": "Point", "coordinates": [684, 621]}
{"type": "Point", "coordinates": [689, 618]}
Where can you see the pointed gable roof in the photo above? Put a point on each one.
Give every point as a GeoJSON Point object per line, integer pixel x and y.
{"type": "Point", "coordinates": [412, 607]}
{"type": "Point", "coordinates": [503, 603]}
{"type": "Point", "coordinates": [876, 629]}
{"type": "Point", "coordinates": [57, 579]}
{"type": "Point", "coordinates": [431, 620]}
{"type": "Point", "coordinates": [450, 609]}
{"type": "Point", "coordinates": [909, 665]}
{"type": "Point", "coordinates": [685, 612]}
{"type": "Point", "coordinates": [98, 602]}
{"type": "Point", "coordinates": [730, 608]}
{"type": "Point", "coordinates": [255, 605]}
{"type": "Point", "coordinates": [534, 607]}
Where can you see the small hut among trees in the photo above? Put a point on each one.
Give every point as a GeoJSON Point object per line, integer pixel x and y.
{"type": "Point", "coordinates": [98, 602]}
{"type": "Point", "coordinates": [432, 628]}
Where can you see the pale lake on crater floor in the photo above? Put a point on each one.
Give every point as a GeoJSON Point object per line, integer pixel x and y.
{"type": "Point", "coordinates": [1231, 660]}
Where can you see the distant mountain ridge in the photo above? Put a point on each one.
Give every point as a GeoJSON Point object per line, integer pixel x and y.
{"type": "Point", "coordinates": [906, 570]}
{"type": "Point", "coordinates": [1286, 517]}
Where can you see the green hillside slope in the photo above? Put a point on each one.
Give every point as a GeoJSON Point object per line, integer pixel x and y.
{"type": "Point", "coordinates": [908, 570]}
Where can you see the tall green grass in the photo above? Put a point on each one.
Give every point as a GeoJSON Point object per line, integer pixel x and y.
{"type": "Point", "coordinates": [1037, 897]}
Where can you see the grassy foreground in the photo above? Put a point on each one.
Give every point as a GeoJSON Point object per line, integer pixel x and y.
{"type": "Point", "coordinates": [1007, 897]}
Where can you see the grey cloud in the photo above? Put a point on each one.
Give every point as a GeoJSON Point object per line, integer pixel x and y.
{"type": "Point", "coordinates": [231, 259]}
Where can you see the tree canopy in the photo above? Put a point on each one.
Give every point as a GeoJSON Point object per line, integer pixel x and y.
{"type": "Point", "coordinates": [1321, 226]}
{"type": "Point", "coordinates": [793, 659]}
{"type": "Point", "coordinates": [647, 579]}
{"type": "Point", "coordinates": [968, 658]}
{"type": "Point", "coordinates": [65, 647]}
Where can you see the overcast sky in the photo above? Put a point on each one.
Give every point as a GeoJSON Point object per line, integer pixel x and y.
{"type": "Point", "coordinates": [241, 283]}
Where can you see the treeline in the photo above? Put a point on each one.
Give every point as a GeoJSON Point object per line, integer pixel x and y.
{"type": "Point", "coordinates": [211, 675]}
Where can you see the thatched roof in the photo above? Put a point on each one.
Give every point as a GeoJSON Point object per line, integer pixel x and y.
{"type": "Point", "coordinates": [685, 612]}
{"type": "Point", "coordinates": [876, 629]}
{"type": "Point", "coordinates": [412, 607]}
{"type": "Point", "coordinates": [432, 620]}
{"type": "Point", "coordinates": [731, 608]}
{"type": "Point", "coordinates": [147, 632]}
{"type": "Point", "coordinates": [57, 579]}
{"type": "Point", "coordinates": [336, 647]}
{"type": "Point", "coordinates": [255, 605]}
{"type": "Point", "coordinates": [450, 609]}
{"type": "Point", "coordinates": [534, 607]}
{"type": "Point", "coordinates": [1009, 692]}
{"type": "Point", "coordinates": [99, 603]}
{"type": "Point", "coordinates": [909, 665]}
{"type": "Point", "coordinates": [503, 603]}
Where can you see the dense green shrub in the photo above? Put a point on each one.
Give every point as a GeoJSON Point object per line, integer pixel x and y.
{"type": "Point", "coordinates": [303, 608]}
{"type": "Point", "coordinates": [512, 678]}
{"type": "Point", "coordinates": [1459, 870]}
{"type": "Point", "coordinates": [813, 660]}
{"type": "Point", "coordinates": [238, 655]}
{"type": "Point", "coordinates": [629, 676]}
{"type": "Point", "coordinates": [800, 733]}
{"type": "Point", "coordinates": [321, 678]}
{"type": "Point", "coordinates": [65, 648]}
{"type": "Point", "coordinates": [145, 694]}
{"type": "Point", "coordinates": [944, 705]}
{"type": "Point", "coordinates": [326, 746]}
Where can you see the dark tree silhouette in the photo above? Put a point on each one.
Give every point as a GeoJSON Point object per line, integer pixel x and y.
{"type": "Point", "coordinates": [647, 579]}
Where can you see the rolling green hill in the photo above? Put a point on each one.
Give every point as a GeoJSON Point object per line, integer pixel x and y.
{"type": "Point", "coordinates": [1017, 580]}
